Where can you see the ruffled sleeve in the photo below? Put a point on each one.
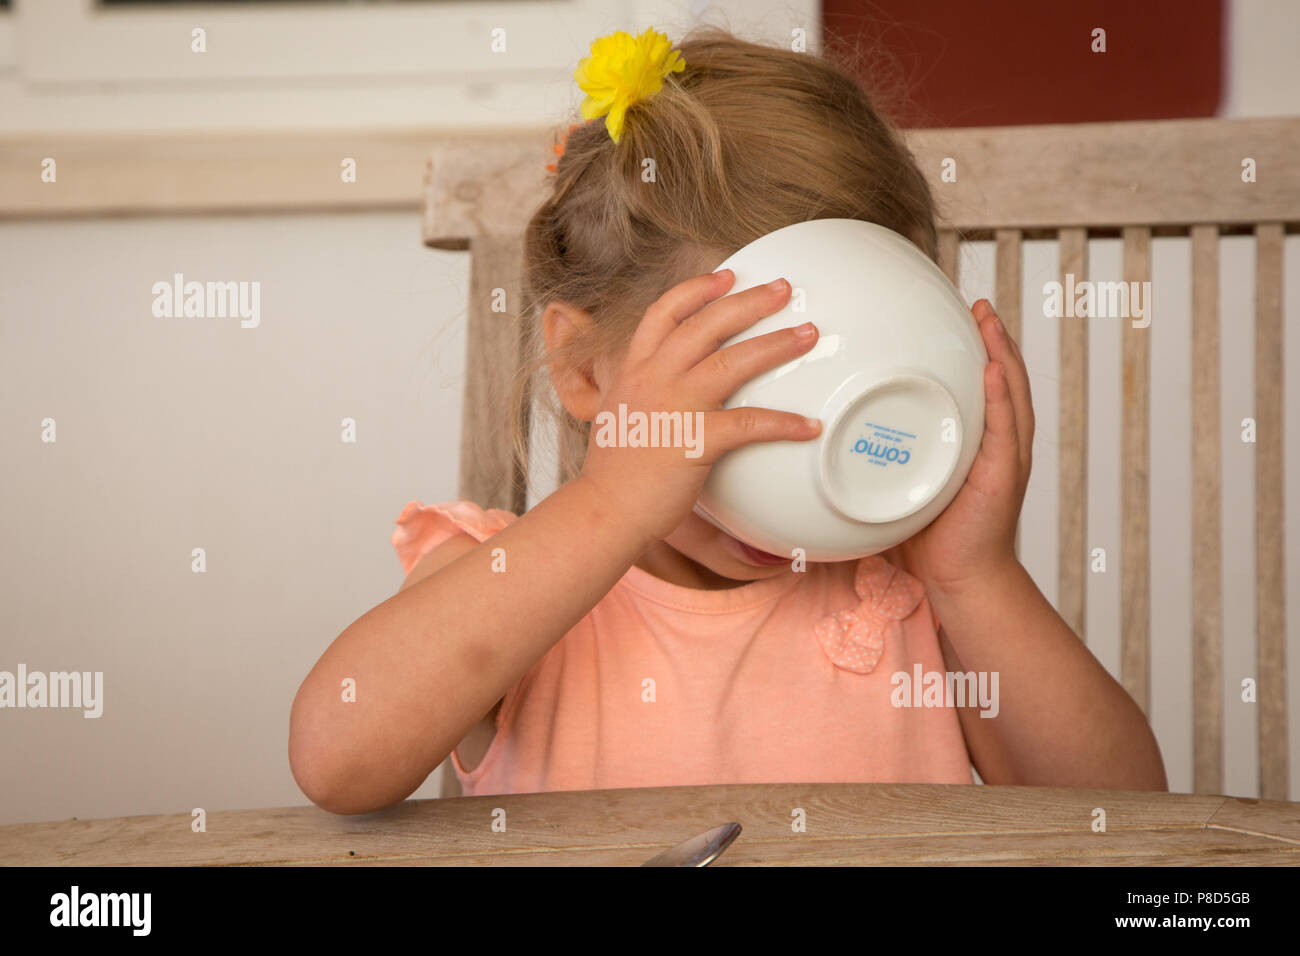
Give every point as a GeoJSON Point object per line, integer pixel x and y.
{"type": "Point", "coordinates": [421, 528]}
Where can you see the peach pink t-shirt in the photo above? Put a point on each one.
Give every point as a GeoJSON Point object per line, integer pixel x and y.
{"type": "Point", "coordinates": [768, 682]}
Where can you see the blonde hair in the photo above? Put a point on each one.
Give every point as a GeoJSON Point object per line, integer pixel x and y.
{"type": "Point", "coordinates": [747, 139]}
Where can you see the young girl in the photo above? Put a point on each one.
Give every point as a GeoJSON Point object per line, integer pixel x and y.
{"type": "Point", "coordinates": [627, 642]}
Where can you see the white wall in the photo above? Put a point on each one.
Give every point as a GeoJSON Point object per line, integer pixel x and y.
{"type": "Point", "coordinates": [175, 434]}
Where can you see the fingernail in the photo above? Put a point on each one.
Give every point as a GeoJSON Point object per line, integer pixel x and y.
{"type": "Point", "coordinates": [777, 284]}
{"type": "Point", "coordinates": [813, 423]}
{"type": "Point", "coordinates": [723, 272]}
{"type": "Point", "coordinates": [805, 331]}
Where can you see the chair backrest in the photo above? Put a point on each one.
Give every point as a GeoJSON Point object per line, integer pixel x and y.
{"type": "Point", "coordinates": [1193, 178]}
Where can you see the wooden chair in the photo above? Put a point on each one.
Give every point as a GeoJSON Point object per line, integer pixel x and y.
{"type": "Point", "coordinates": [1070, 182]}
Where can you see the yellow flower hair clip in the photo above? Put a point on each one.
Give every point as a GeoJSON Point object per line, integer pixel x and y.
{"type": "Point", "coordinates": [624, 70]}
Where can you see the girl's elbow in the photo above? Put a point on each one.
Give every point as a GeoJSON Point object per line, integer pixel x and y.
{"type": "Point", "coordinates": [314, 763]}
{"type": "Point", "coordinates": [327, 775]}
{"type": "Point", "coordinates": [310, 766]}
{"type": "Point", "coordinates": [328, 786]}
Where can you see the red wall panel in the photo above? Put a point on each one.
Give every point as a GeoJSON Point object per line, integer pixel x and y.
{"type": "Point", "coordinates": [1004, 62]}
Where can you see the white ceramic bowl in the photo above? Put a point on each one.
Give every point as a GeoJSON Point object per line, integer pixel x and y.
{"type": "Point", "coordinates": [896, 377]}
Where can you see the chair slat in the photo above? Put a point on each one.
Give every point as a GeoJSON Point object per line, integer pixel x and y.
{"type": "Point", "coordinates": [488, 474]}
{"type": "Point", "coordinates": [1008, 280]}
{"type": "Point", "coordinates": [1207, 539]}
{"type": "Point", "coordinates": [949, 252]}
{"type": "Point", "coordinates": [483, 184]}
{"type": "Point", "coordinates": [1006, 294]}
{"type": "Point", "coordinates": [1106, 175]}
{"type": "Point", "coordinates": [1270, 580]}
{"type": "Point", "coordinates": [1072, 553]}
{"type": "Point", "coordinates": [571, 452]}
{"type": "Point", "coordinates": [1135, 498]}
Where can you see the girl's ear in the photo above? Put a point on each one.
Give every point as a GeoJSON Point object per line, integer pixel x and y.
{"type": "Point", "coordinates": [577, 386]}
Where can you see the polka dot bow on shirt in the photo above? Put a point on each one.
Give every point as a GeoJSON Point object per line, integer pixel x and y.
{"type": "Point", "coordinates": [854, 639]}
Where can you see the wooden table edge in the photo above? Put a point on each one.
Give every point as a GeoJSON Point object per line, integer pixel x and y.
{"type": "Point", "coordinates": [1277, 822]}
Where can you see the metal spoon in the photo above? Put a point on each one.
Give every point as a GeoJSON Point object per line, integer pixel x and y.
{"type": "Point", "coordinates": [698, 850]}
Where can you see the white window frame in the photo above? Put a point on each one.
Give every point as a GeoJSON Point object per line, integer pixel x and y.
{"type": "Point", "coordinates": [77, 42]}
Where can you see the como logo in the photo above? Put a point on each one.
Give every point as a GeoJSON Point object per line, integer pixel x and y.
{"type": "Point", "coordinates": [881, 451]}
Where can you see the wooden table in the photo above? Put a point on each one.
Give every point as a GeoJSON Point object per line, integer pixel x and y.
{"type": "Point", "coordinates": [846, 824]}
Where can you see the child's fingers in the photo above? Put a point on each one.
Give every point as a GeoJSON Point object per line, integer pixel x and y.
{"type": "Point", "coordinates": [736, 427]}
{"type": "Point", "coordinates": [723, 371]}
{"type": "Point", "coordinates": [1000, 446]}
{"type": "Point", "coordinates": [1021, 398]}
{"type": "Point", "coordinates": [678, 303]}
{"type": "Point", "coordinates": [699, 335]}
{"type": "Point", "coordinates": [1003, 350]}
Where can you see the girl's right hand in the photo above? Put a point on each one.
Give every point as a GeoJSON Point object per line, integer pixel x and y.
{"type": "Point", "coordinates": [674, 364]}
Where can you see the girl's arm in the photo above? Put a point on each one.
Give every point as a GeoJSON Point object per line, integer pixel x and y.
{"type": "Point", "coordinates": [1062, 720]}
{"type": "Point", "coordinates": [433, 659]}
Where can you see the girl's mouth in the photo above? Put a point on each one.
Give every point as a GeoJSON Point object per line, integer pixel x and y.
{"type": "Point", "coordinates": [755, 556]}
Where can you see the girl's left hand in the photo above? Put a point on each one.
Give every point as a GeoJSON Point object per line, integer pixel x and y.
{"type": "Point", "coordinates": [975, 535]}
